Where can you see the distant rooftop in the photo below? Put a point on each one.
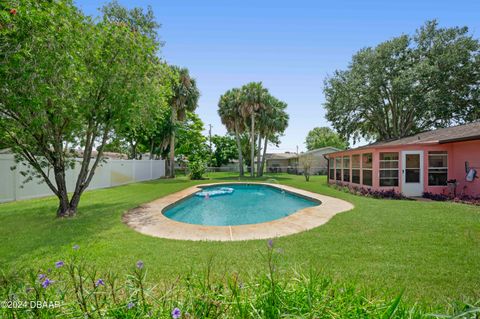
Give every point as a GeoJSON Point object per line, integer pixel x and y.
{"type": "Point", "coordinates": [282, 155]}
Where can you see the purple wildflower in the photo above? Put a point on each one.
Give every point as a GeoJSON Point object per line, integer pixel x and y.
{"type": "Point", "coordinates": [59, 264]}
{"type": "Point", "coordinates": [140, 264]}
{"type": "Point", "coordinates": [130, 305]}
{"type": "Point", "coordinates": [76, 247]}
{"type": "Point", "coordinates": [47, 282]}
{"type": "Point", "coordinates": [41, 276]}
{"type": "Point", "coordinates": [176, 313]}
{"type": "Point", "coordinates": [99, 282]}
{"type": "Point", "coordinates": [270, 243]}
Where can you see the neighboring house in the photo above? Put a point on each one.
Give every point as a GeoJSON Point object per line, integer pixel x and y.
{"type": "Point", "coordinates": [282, 162]}
{"type": "Point", "coordinates": [412, 165]}
{"type": "Point", "coordinates": [292, 162]}
{"type": "Point", "coordinates": [316, 158]}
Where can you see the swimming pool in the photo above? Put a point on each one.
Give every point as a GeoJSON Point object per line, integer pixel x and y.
{"type": "Point", "coordinates": [247, 204]}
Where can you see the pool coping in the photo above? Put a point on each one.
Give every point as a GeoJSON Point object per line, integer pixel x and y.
{"type": "Point", "coordinates": [148, 219]}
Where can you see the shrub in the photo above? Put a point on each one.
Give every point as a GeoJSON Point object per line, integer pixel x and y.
{"type": "Point", "coordinates": [197, 168]}
{"type": "Point", "coordinates": [464, 199]}
{"type": "Point", "coordinates": [363, 191]}
{"type": "Point", "coordinates": [437, 197]}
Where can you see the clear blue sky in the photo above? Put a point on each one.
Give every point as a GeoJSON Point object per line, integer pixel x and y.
{"type": "Point", "coordinates": [291, 46]}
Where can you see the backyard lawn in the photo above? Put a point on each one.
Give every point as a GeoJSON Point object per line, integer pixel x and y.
{"type": "Point", "coordinates": [430, 249]}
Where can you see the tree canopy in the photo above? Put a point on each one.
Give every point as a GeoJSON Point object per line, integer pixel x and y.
{"type": "Point", "coordinates": [406, 85]}
{"type": "Point", "coordinates": [184, 99]}
{"type": "Point", "coordinates": [225, 150]}
{"type": "Point", "coordinates": [69, 82]}
{"type": "Point", "coordinates": [324, 136]}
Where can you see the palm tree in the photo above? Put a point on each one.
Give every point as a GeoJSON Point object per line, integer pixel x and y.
{"type": "Point", "coordinates": [229, 111]}
{"type": "Point", "coordinates": [185, 98]}
{"type": "Point", "coordinates": [273, 122]}
{"type": "Point", "coordinates": [253, 100]}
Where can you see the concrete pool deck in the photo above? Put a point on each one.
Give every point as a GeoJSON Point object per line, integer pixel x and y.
{"type": "Point", "coordinates": [148, 219]}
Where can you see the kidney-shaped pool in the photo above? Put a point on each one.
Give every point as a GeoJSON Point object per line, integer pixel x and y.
{"type": "Point", "coordinates": [237, 204]}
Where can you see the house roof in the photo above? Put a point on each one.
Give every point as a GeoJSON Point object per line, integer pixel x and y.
{"type": "Point", "coordinates": [322, 150]}
{"type": "Point", "coordinates": [465, 132]}
{"type": "Point", "coordinates": [284, 156]}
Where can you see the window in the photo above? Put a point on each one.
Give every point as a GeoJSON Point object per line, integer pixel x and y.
{"type": "Point", "coordinates": [331, 168]}
{"type": "Point", "coordinates": [367, 160]}
{"type": "Point", "coordinates": [437, 168]}
{"type": "Point", "coordinates": [356, 169]}
{"type": "Point", "coordinates": [338, 168]}
{"type": "Point", "coordinates": [389, 169]}
{"type": "Point", "coordinates": [346, 168]}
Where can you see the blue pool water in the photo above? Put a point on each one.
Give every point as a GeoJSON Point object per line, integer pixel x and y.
{"type": "Point", "coordinates": [248, 204]}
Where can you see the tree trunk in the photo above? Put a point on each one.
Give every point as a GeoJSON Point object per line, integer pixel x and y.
{"type": "Point", "coordinates": [259, 173]}
{"type": "Point", "coordinates": [172, 145]}
{"type": "Point", "coordinates": [240, 156]}
{"type": "Point", "coordinates": [85, 176]}
{"type": "Point", "coordinates": [63, 206]}
{"type": "Point", "coordinates": [172, 155]}
{"type": "Point", "coordinates": [134, 150]}
{"type": "Point", "coordinates": [252, 146]}
{"type": "Point", "coordinates": [264, 158]}
{"type": "Point", "coordinates": [151, 149]}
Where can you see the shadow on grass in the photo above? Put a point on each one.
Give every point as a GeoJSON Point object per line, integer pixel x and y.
{"type": "Point", "coordinates": [42, 233]}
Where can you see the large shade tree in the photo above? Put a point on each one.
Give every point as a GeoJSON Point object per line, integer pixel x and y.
{"type": "Point", "coordinates": [67, 83]}
{"type": "Point", "coordinates": [184, 99]}
{"type": "Point", "coordinates": [406, 85]}
{"type": "Point", "coordinates": [324, 136]}
{"type": "Point", "coordinates": [225, 150]}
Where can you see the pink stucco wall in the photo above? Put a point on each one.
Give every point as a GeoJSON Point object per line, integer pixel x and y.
{"type": "Point", "coordinates": [458, 154]}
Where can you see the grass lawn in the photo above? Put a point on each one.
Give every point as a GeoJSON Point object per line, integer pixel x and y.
{"type": "Point", "coordinates": [432, 249]}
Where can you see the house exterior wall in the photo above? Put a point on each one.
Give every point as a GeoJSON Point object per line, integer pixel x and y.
{"type": "Point", "coordinates": [458, 154]}
{"type": "Point", "coordinates": [277, 165]}
{"type": "Point", "coordinates": [319, 163]}
{"type": "Point", "coordinates": [462, 152]}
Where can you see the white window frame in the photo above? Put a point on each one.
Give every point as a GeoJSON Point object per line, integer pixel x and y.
{"type": "Point", "coordinates": [445, 153]}
{"type": "Point", "coordinates": [366, 168]}
{"type": "Point", "coordinates": [380, 161]}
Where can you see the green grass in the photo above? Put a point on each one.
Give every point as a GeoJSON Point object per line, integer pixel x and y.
{"type": "Point", "coordinates": [430, 249]}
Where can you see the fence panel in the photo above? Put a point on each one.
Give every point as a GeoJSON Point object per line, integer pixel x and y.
{"type": "Point", "coordinates": [143, 171]}
{"type": "Point", "coordinates": [7, 180]}
{"type": "Point", "coordinates": [158, 170]}
{"type": "Point", "coordinates": [122, 172]}
{"type": "Point", "coordinates": [108, 173]}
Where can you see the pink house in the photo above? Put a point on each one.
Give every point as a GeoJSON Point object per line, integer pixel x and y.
{"type": "Point", "coordinates": [412, 165]}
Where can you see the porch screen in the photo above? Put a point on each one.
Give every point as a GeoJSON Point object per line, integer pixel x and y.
{"type": "Point", "coordinates": [367, 160]}
{"type": "Point", "coordinates": [356, 169]}
{"type": "Point", "coordinates": [346, 168]}
{"type": "Point", "coordinates": [437, 168]}
{"type": "Point", "coordinates": [331, 168]}
{"type": "Point", "coordinates": [389, 169]}
{"type": "Point", "coordinates": [338, 168]}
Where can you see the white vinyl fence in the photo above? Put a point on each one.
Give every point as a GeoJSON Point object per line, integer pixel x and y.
{"type": "Point", "coordinates": [108, 174]}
